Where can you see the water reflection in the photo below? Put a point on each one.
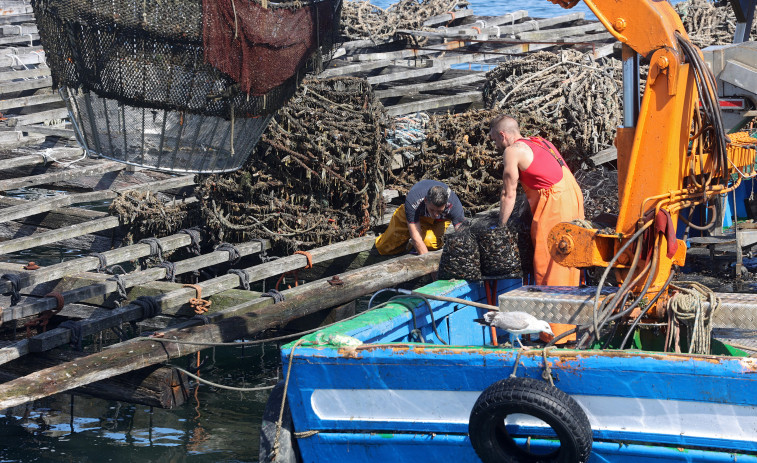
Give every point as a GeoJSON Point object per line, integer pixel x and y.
{"type": "Point", "coordinates": [217, 425]}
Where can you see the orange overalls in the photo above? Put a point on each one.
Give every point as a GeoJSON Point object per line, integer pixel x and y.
{"type": "Point", "coordinates": [550, 205]}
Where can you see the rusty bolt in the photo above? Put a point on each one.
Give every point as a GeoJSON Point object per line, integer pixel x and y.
{"type": "Point", "coordinates": [565, 245]}
{"type": "Point", "coordinates": [619, 24]}
{"type": "Point", "coordinates": [624, 259]}
{"type": "Point", "coordinates": [662, 62]}
{"type": "Point", "coordinates": [31, 266]}
{"type": "Point", "coordinates": [336, 281]}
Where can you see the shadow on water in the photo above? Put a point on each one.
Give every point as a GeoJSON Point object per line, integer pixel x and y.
{"type": "Point", "coordinates": [214, 426]}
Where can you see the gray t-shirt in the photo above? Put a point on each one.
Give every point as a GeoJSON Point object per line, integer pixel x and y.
{"type": "Point", "coordinates": [415, 203]}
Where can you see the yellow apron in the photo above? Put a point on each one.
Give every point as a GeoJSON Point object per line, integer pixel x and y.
{"type": "Point", "coordinates": [562, 202]}
{"type": "Point", "coordinates": [395, 239]}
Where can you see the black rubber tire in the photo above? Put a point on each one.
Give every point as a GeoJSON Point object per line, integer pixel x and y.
{"type": "Point", "coordinates": [531, 397]}
{"type": "Point", "coordinates": [288, 451]}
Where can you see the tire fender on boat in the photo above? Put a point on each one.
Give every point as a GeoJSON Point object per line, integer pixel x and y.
{"type": "Point", "coordinates": [529, 397]}
{"type": "Point", "coordinates": [288, 451]}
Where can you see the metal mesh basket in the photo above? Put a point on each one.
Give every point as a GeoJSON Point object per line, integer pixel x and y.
{"type": "Point", "coordinates": [178, 70]}
{"type": "Point", "coordinates": [161, 139]}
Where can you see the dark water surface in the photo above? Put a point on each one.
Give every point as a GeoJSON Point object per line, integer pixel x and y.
{"type": "Point", "coordinates": [215, 426]}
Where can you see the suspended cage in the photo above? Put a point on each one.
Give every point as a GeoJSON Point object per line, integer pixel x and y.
{"type": "Point", "coordinates": [180, 85]}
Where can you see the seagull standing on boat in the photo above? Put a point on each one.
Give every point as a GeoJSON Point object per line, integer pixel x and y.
{"type": "Point", "coordinates": [515, 323]}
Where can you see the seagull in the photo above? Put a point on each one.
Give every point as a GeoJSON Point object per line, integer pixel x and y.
{"type": "Point", "coordinates": [515, 323]}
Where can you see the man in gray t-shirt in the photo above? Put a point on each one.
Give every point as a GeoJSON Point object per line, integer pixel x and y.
{"type": "Point", "coordinates": [429, 208]}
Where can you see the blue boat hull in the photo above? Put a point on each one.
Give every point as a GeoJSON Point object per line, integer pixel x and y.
{"type": "Point", "coordinates": [391, 400]}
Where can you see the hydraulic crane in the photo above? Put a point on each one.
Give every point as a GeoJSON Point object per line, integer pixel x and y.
{"type": "Point", "coordinates": [673, 154]}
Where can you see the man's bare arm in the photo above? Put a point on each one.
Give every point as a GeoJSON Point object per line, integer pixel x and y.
{"type": "Point", "coordinates": [416, 238]}
{"type": "Point", "coordinates": [510, 175]}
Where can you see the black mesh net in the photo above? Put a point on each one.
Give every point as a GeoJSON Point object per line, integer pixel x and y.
{"type": "Point", "coordinates": [152, 53]}
{"type": "Point", "coordinates": [180, 85]}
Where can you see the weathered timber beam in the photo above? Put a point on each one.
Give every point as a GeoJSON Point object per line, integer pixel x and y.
{"type": "Point", "coordinates": [556, 34]}
{"type": "Point", "coordinates": [37, 117]}
{"type": "Point", "coordinates": [16, 18]}
{"type": "Point", "coordinates": [84, 264]}
{"type": "Point", "coordinates": [409, 74]}
{"type": "Point", "coordinates": [447, 17]}
{"type": "Point", "coordinates": [34, 159]}
{"type": "Point", "coordinates": [48, 130]}
{"type": "Point", "coordinates": [404, 90]}
{"type": "Point", "coordinates": [244, 320]}
{"type": "Point", "coordinates": [18, 29]}
{"type": "Point", "coordinates": [13, 87]}
{"type": "Point", "coordinates": [63, 174]}
{"type": "Point", "coordinates": [607, 155]}
{"type": "Point", "coordinates": [24, 74]}
{"type": "Point", "coordinates": [411, 52]}
{"type": "Point", "coordinates": [23, 58]}
{"type": "Point", "coordinates": [27, 101]}
{"type": "Point", "coordinates": [468, 32]}
{"type": "Point", "coordinates": [484, 27]}
{"type": "Point", "coordinates": [434, 103]}
{"type": "Point", "coordinates": [154, 386]}
{"type": "Point", "coordinates": [19, 39]}
{"type": "Point", "coordinates": [44, 205]}
{"type": "Point", "coordinates": [52, 236]}
{"type": "Point", "coordinates": [109, 285]}
{"type": "Point", "coordinates": [173, 301]}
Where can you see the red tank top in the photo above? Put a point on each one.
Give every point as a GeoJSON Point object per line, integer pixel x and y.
{"type": "Point", "coordinates": [545, 170]}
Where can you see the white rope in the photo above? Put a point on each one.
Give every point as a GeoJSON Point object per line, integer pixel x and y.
{"type": "Point", "coordinates": [687, 306]}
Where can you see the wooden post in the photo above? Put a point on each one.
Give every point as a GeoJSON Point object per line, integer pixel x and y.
{"type": "Point", "coordinates": [243, 320]}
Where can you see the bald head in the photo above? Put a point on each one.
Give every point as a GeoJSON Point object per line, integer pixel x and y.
{"type": "Point", "coordinates": [505, 124]}
{"type": "Point", "coordinates": [504, 130]}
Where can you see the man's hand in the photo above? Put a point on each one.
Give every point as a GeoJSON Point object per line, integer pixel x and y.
{"type": "Point", "coordinates": [416, 239]}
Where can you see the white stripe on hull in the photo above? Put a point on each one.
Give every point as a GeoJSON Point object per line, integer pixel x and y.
{"type": "Point", "coordinates": [620, 414]}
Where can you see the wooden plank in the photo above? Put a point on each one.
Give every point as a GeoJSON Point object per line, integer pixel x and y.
{"type": "Point", "coordinates": [44, 205]}
{"type": "Point", "coordinates": [16, 18]}
{"type": "Point", "coordinates": [23, 58]}
{"type": "Point", "coordinates": [412, 52]}
{"type": "Point", "coordinates": [106, 285]}
{"type": "Point", "coordinates": [434, 103]}
{"type": "Point", "coordinates": [14, 8]}
{"type": "Point", "coordinates": [63, 174]}
{"type": "Point", "coordinates": [607, 155]}
{"type": "Point", "coordinates": [151, 387]}
{"type": "Point", "coordinates": [18, 29]}
{"type": "Point", "coordinates": [236, 322]}
{"type": "Point", "coordinates": [412, 89]}
{"type": "Point", "coordinates": [35, 118]}
{"type": "Point", "coordinates": [354, 68]}
{"type": "Point", "coordinates": [52, 236]}
{"type": "Point", "coordinates": [19, 39]}
{"type": "Point", "coordinates": [84, 264]}
{"type": "Point", "coordinates": [556, 34]}
{"type": "Point", "coordinates": [25, 74]}
{"type": "Point", "coordinates": [34, 159]}
{"type": "Point", "coordinates": [48, 130]}
{"type": "Point", "coordinates": [497, 31]}
{"type": "Point", "coordinates": [31, 84]}
{"type": "Point", "coordinates": [173, 302]}
{"type": "Point", "coordinates": [29, 101]}
{"type": "Point", "coordinates": [448, 17]}
{"type": "Point", "coordinates": [401, 75]}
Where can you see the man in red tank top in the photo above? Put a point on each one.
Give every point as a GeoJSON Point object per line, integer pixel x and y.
{"type": "Point", "coordinates": [551, 190]}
